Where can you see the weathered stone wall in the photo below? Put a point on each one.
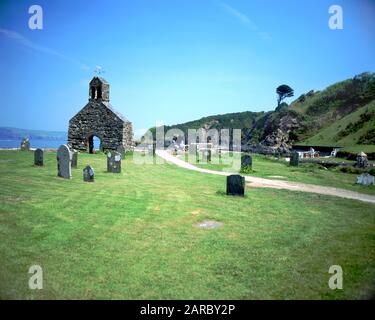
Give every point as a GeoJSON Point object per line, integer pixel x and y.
{"type": "Point", "coordinates": [99, 120]}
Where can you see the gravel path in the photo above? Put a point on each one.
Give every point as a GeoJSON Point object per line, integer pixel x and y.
{"type": "Point", "coordinates": [275, 184]}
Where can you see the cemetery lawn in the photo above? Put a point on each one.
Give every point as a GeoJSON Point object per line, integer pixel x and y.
{"type": "Point", "coordinates": [133, 236]}
{"type": "Point", "coordinates": [271, 168]}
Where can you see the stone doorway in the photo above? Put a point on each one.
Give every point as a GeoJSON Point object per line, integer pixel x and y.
{"type": "Point", "coordinates": [94, 143]}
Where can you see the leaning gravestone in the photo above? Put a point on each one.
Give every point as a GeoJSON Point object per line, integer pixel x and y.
{"type": "Point", "coordinates": [235, 185]}
{"type": "Point", "coordinates": [25, 144]}
{"type": "Point", "coordinates": [114, 162]}
{"type": "Point", "coordinates": [294, 159]}
{"type": "Point", "coordinates": [365, 179]}
{"type": "Point", "coordinates": [64, 162]}
{"type": "Point", "coordinates": [38, 157]}
{"type": "Point", "coordinates": [121, 150]}
{"type": "Point", "coordinates": [362, 160]}
{"type": "Point", "coordinates": [88, 174]}
{"type": "Point", "coordinates": [246, 163]}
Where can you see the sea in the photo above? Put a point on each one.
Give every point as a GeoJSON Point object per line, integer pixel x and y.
{"type": "Point", "coordinates": [43, 144]}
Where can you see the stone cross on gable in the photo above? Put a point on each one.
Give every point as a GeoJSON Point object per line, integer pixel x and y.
{"type": "Point", "coordinates": [99, 70]}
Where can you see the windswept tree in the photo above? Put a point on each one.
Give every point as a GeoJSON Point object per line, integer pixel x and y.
{"type": "Point", "coordinates": [284, 91]}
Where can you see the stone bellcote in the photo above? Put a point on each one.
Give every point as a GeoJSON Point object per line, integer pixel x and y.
{"type": "Point", "coordinates": [99, 89]}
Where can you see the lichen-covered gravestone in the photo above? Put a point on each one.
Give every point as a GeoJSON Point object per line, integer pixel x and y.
{"type": "Point", "coordinates": [362, 160]}
{"type": "Point", "coordinates": [64, 162]}
{"type": "Point", "coordinates": [246, 163]}
{"type": "Point", "coordinates": [294, 159]}
{"type": "Point", "coordinates": [235, 185]}
{"type": "Point", "coordinates": [25, 144]}
{"type": "Point", "coordinates": [74, 153]}
{"type": "Point", "coordinates": [88, 174]}
{"type": "Point", "coordinates": [365, 179]}
{"type": "Point", "coordinates": [114, 162]}
{"type": "Point", "coordinates": [38, 157]}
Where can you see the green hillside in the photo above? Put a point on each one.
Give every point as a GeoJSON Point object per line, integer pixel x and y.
{"type": "Point", "coordinates": [343, 115]}
{"type": "Point", "coordinates": [356, 128]}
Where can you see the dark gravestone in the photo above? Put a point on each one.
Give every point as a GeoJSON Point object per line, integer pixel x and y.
{"type": "Point", "coordinates": [246, 163]}
{"type": "Point", "coordinates": [74, 158]}
{"type": "Point", "coordinates": [88, 174]}
{"type": "Point", "coordinates": [64, 162]}
{"type": "Point", "coordinates": [38, 157]}
{"type": "Point", "coordinates": [114, 162]}
{"type": "Point", "coordinates": [235, 185]}
{"type": "Point", "coordinates": [25, 144]}
{"type": "Point", "coordinates": [208, 152]}
{"type": "Point", "coordinates": [294, 159]}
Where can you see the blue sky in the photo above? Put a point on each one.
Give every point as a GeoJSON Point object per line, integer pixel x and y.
{"type": "Point", "coordinates": [173, 61]}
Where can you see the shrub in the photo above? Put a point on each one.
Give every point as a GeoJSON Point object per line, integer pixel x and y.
{"type": "Point", "coordinates": [350, 169]}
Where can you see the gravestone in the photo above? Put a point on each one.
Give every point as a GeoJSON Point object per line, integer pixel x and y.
{"type": "Point", "coordinates": [25, 144]}
{"type": "Point", "coordinates": [362, 160]}
{"type": "Point", "coordinates": [235, 185]}
{"type": "Point", "coordinates": [365, 179]}
{"type": "Point", "coordinates": [208, 153]}
{"type": "Point", "coordinates": [74, 158]}
{"type": "Point", "coordinates": [294, 159]}
{"type": "Point", "coordinates": [246, 163]}
{"type": "Point", "coordinates": [88, 174]}
{"type": "Point", "coordinates": [38, 157]}
{"type": "Point", "coordinates": [121, 150]}
{"type": "Point", "coordinates": [114, 162]}
{"type": "Point", "coordinates": [64, 162]}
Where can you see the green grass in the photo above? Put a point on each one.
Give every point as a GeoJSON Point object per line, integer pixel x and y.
{"type": "Point", "coordinates": [267, 167]}
{"type": "Point", "coordinates": [132, 236]}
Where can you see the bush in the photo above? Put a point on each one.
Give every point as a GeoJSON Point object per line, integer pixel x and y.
{"type": "Point", "coordinates": [350, 169]}
{"type": "Point", "coordinates": [247, 170]}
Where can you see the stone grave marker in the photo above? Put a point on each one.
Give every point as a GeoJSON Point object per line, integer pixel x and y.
{"type": "Point", "coordinates": [64, 162]}
{"type": "Point", "coordinates": [88, 174]}
{"type": "Point", "coordinates": [74, 158]}
{"type": "Point", "coordinates": [362, 160]}
{"type": "Point", "coordinates": [38, 157]}
{"type": "Point", "coordinates": [365, 179]}
{"type": "Point", "coordinates": [294, 159]}
{"type": "Point", "coordinates": [246, 163]}
{"type": "Point", "coordinates": [114, 162]}
{"type": "Point", "coordinates": [25, 144]}
{"type": "Point", "coordinates": [235, 185]}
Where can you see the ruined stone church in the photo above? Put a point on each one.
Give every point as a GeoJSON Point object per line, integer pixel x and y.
{"type": "Point", "coordinates": [99, 119]}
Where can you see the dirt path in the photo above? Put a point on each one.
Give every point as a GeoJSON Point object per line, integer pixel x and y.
{"type": "Point", "coordinates": [275, 184]}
